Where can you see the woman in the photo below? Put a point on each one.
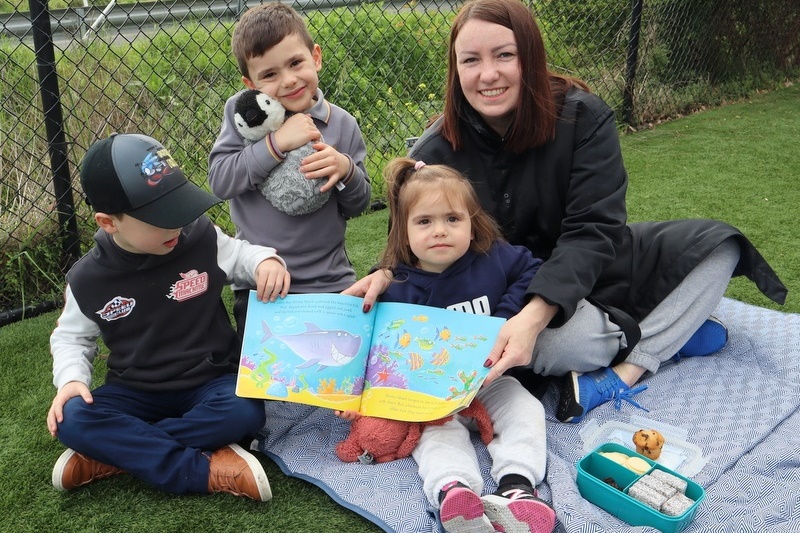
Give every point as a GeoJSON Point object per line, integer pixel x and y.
{"type": "Point", "coordinates": [611, 301]}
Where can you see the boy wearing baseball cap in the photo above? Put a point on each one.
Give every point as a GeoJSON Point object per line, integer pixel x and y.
{"type": "Point", "coordinates": [151, 288]}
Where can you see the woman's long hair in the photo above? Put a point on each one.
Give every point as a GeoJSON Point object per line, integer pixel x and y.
{"type": "Point", "coordinates": [542, 91]}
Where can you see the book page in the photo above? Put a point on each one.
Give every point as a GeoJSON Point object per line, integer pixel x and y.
{"type": "Point", "coordinates": [306, 348]}
{"type": "Point", "coordinates": [426, 362]}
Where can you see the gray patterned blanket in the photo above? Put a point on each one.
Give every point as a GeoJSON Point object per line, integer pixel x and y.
{"type": "Point", "coordinates": [740, 407]}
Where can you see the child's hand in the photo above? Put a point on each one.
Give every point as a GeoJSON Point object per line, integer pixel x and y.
{"type": "Point", "coordinates": [327, 162]}
{"type": "Point", "coordinates": [56, 413]}
{"type": "Point", "coordinates": [272, 280]}
{"type": "Point", "coordinates": [348, 415]}
{"type": "Point", "coordinates": [295, 132]}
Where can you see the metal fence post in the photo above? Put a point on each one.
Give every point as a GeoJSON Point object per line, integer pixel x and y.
{"type": "Point", "coordinates": [632, 60]}
{"type": "Point", "coordinates": [54, 124]}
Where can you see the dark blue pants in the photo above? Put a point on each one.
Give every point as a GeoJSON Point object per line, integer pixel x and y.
{"type": "Point", "coordinates": [162, 438]}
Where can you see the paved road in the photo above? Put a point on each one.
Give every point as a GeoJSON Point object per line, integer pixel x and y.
{"type": "Point", "coordinates": [74, 23]}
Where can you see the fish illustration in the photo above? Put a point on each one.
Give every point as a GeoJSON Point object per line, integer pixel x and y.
{"type": "Point", "coordinates": [319, 347]}
{"type": "Point", "coordinates": [425, 344]}
{"type": "Point", "coordinates": [415, 360]}
{"type": "Point", "coordinates": [419, 318]}
{"type": "Point", "coordinates": [396, 324]}
{"type": "Point", "coordinates": [404, 340]}
{"type": "Point", "coordinates": [441, 358]}
{"type": "Point", "coordinates": [443, 334]}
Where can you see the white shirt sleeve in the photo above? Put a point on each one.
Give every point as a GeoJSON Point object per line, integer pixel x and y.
{"type": "Point", "coordinates": [73, 344]}
{"type": "Point", "coordinates": [239, 259]}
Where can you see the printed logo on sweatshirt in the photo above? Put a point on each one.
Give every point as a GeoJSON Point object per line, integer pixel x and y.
{"type": "Point", "coordinates": [118, 307]}
{"type": "Point", "coordinates": [477, 306]}
{"type": "Point", "coordinates": [191, 284]}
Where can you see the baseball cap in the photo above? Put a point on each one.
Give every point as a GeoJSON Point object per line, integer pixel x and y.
{"type": "Point", "coordinates": [134, 174]}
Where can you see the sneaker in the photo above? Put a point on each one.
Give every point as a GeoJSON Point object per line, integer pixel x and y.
{"type": "Point", "coordinates": [73, 470]}
{"type": "Point", "coordinates": [235, 471]}
{"type": "Point", "coordinates": [517, 510]}
{"type": "Point", "coordinates": [711, 337]}
{"type": "Point", "coordinates": [580, 393]}
{"type": "Point", "coordinates": [461, 510]}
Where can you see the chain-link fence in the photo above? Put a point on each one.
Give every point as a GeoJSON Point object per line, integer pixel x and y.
{"type": "Point", "coordinates": [70, 76]}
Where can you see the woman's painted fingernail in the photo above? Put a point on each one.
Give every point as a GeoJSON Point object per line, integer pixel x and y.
{"type": "Point", "coordinates": [367, 307]}
{"type": "Point", "coordinates": [487, 363]}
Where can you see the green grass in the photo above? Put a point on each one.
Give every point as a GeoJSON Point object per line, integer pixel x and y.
{"type": "Point", "coordinates": [737, 163]}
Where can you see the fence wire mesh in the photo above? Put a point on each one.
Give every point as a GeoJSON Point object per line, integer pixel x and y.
{"type": "Point", "coordinates": [73, 75]}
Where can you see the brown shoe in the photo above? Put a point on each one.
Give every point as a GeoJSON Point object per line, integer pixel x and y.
{"type": "Point", "coordinates": [73, 470]}
{"type": "Point", "coordinates": [237, 472]}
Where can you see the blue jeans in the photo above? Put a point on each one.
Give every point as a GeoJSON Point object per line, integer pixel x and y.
{"type": "Point", "coordinates": [163, 438]}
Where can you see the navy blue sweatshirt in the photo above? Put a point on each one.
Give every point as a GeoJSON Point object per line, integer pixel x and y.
{"type": "Point", "coordinates": [493, 283]}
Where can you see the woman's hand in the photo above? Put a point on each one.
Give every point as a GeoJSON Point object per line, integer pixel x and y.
{"type": "Point", "coordinates": [370, 287]}
{"type": "Point", "coordinates": [517, 338]}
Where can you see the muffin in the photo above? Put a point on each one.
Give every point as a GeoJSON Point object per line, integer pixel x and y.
{"type": "Point", "coordinates": [648, 442]}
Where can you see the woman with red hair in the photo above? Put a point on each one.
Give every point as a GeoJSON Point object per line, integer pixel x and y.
{"type": "Point", "coordinates": [611, 301]}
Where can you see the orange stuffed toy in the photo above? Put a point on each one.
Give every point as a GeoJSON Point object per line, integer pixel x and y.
{"type": "Point", "coordinates": [378, 440]}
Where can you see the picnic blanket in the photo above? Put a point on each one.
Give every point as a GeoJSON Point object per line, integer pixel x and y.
{"type": "Point", "coordinates": [740, 407]}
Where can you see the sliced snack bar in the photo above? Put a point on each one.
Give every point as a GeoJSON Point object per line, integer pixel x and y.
{"type": "Point", "coordinates": [647, 495]}
{"type": "Point", "coordinates": [670, 479]}
{"type": "Point", "coordinates": [676, 505]}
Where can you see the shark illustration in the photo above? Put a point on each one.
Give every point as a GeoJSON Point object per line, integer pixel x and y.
{"type": "Point", "coordinates": [319, 347]}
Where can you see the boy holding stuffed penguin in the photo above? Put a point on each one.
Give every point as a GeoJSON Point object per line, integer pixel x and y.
{"type": "Point", "coordinates": [277, 56]}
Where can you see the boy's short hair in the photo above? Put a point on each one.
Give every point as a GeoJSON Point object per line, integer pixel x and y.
{"type": "Point", "coordinates": [264, 26]}
{"type": "Point", "coordinates": [134, 174]}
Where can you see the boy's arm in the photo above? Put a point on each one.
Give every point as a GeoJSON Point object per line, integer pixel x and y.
{"type": "Point", "coordinates": [233, 166]}
{"type": "Point", "coordinates": [239, 259]}
{"type": "Point", "coordinates": [354, 190]}
{"type": "Point", "coordinates": [73, 344]}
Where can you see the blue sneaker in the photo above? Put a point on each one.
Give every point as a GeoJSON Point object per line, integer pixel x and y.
{"type": "Point", "coordinates": [709, 338]}
{"type": "Point", "coordinates": [580, 393]}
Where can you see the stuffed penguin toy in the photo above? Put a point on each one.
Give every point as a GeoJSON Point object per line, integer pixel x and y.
{"type": "Point", "coordinates": [257, 115]}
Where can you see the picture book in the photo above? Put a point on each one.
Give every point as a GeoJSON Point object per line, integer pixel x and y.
{"type": "Point", "coordinates": [400, 361]}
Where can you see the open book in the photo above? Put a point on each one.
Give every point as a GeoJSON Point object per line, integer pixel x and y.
{"type": "Point", "coordinates": [399, 361]}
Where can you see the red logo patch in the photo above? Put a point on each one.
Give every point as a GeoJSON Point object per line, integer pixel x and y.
{"type": "Point", "coordinates": [192, 284]}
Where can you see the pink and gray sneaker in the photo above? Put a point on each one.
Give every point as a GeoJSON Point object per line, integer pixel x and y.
{"type": "Point", "coordinates": [518, 510]}
{"type": "Point", "coordinates": [461, 510]}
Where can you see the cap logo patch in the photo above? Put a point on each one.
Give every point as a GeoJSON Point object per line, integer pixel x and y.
{"type": "Point", "coordinates": [191, 284]}
{"type": "Point", "coordinates": [118, 307]}
{"type": "Point", "coordinates": [156, 165]}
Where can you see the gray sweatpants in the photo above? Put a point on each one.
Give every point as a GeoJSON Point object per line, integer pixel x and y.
{"type": "Point", "coordinates": [589, 340]}
{"type": "Point", "coordinates": [444, 453]}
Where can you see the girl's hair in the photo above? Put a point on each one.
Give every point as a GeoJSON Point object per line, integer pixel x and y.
{"type": "Point", "coordinates": [541, 92]}
{"type": "Point", "coordinates": [262, 27]}
{"type": "Point", "coordinates": [406, 184]}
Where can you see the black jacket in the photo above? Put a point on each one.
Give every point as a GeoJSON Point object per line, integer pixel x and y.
{"type": "Point", "coordinates": [565, 201]}
{"type": "Point", "coordinates": [161, 317]}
